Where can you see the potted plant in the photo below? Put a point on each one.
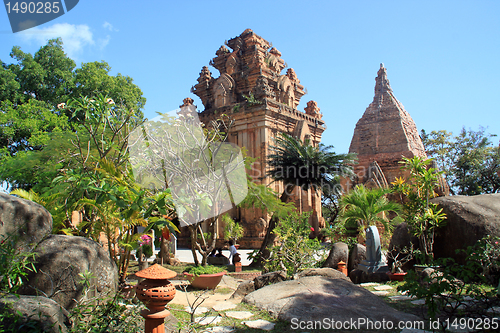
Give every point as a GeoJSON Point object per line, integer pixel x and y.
{"type": "Point", "coordinates": [232, 230]}
{"type": "Point", "coordinates": [399, 258]}
{"type": "Point", "coordinates": [205, 277]}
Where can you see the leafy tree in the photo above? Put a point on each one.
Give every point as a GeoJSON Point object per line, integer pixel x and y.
{"type": "Point", "coordinates": [298, 163]}
{"type": "Point", "coordinates": [197, 165]}
{"type": "Point", "coordinates": [470, 160]}
{"type": "Point", "coordinates": [422, 216]}
{"type": "Point", "coordinates": [36, 130]}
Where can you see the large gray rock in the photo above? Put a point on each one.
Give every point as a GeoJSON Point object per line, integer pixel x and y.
{"type": "Point", "coordinates": [27, 221]}
{"type": "Point", "coordinates": [47, 314]}
{"type": "Point", "coordinates": [357, 255]}
{"type": "Point", "coordinates": [326, 272]}
{"type": "Point", "coordinates": [400, 240]}
{"type": "Point", "coordinates": [339, 252]}
{"type": "Point", "coordinates": [314, 298]}
{"type": "Point", "coordinates": [468, 220]}
{"type": "Point", "coordinates": [59, 261]}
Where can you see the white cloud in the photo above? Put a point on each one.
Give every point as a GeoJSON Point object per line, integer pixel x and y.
{"type": "Point", "coordinates": [75, 37]}
{"type": "Point", "coordinates": [109, 26]}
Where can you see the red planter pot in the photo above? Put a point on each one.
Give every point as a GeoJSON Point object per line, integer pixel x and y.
{"type": "Point", "coordinates": [396, 276]}
{"type": "Point", "coordinates": [205, 281]}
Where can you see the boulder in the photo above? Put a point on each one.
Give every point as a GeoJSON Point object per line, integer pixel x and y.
{"type": "Point", "coordinates": [316, 298]}
{"type": "Point", "coordinates": [469, 218]}
{"type": "Point", "coordinates": [59, 261]}
{"type": "Point", "coordinates": [46, 314]}
{"type": "Point", "coordinates": [25, 220]}
{"type": "Point", "coordinates": [401, 239]}
{"type": "Point", "coordinates": [326, 272]}
{"type": "Point", "coordinates": [357, 254]}
{"type": "Point", "coordinates": [339, 252]}
{"type": "Point", "coordinates": [243, 289]}
{"type": "Point", "coordinates": [269, 278]}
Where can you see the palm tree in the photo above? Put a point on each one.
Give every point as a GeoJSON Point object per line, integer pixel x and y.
{"type": "Point", "coordinates": [365, 207]}
{"type": "Point", "coordinates": [299, 163]}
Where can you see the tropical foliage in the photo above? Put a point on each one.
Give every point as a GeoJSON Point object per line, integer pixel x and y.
{"type": "Point", "coordinates": [470, 160]}
{"type": "Point", "coordinates": [232, 230]}
{"type": "Point", "coordinates": [364, 207]}
{"type": "Point", "coordinates": [423, 217]}
{"type": "Point", "coordinates": [294, 250]}
{"type": "Point", "coordinates": [300, 163]}
{"type": "Point", "coordinates": [36, 129]}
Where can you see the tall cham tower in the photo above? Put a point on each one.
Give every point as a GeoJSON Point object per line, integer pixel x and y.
{"type": "Point", "coordinates": [384, 134]}
{"type": "Point", "coordinates": [252, 90]}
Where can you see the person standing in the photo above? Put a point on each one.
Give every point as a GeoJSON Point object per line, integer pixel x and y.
{"type": "Point", "coordinates": [233, 253]}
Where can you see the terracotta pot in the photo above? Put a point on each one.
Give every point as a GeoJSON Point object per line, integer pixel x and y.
{"type": "Point", "coordinates": [205, 281]}
{"type": "Point", "coordinates": [155, 294]}
{"type": "Point", "coordinates": [397, 276]}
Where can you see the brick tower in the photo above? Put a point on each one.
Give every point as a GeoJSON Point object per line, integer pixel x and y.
{"type": "Point", "coordinates": [252, 90]}
{"type": "Point", "coordinates": [384, 134]}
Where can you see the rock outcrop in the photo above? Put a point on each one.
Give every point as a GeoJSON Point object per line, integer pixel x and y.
{"type": "Point", "coordinates": [356, 256]}
{"type": "Point", "coordinates": [469, 218]}
{"type": "Point", "coordinates": [59, 261]}
{"type": "Point", "coordinates": [47, 314]}
{"type": "Point", "coordinates": [338, 252]}
{"type": "Point", "coordinates": [314, 298]}
{"type": "Point", "coordinates": [26, 221]}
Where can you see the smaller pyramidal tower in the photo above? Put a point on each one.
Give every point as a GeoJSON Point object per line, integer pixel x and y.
{"type": "Point", "coordinates": [384, 134]}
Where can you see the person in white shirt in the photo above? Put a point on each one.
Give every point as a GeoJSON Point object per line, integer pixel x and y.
{"type": "Point", "coordinates": [233, 253]}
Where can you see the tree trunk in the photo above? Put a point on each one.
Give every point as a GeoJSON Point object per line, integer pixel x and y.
{"type": "Point", "coordinates": [165, 251]}
{"type": "Point", "coordinates": [315, 218]}
{"type": "Point", "coordinates": [194, 242]}
{"type": "Point", "coordinates": [264, 253]}
{"type": "Point", "coordinates": [143, 264]}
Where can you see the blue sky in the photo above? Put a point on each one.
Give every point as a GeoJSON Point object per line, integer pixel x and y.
{"type": "Point", "coordinates": [442, 57]}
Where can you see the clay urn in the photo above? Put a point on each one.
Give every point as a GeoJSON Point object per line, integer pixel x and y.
{"type": "Point", "coordinates": [155, 292]}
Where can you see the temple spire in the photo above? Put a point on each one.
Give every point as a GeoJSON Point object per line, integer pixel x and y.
{"type": "Point", "coordinates": [382, 82]}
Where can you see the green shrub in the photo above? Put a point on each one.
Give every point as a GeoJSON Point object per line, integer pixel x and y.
{"type": "Point", "coordinates": [456, 290]}
{"type": "Point", "coordinates": [14, 264]}
{"type": "Point", "coordinates": [208, 269]}
{"type": "Point", "coordinates": [294, 251]}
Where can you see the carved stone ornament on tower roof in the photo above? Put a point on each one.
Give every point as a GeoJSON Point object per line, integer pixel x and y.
{"type": "Point", "coordinates": [205, 75]}
{"type": "Point", "coordinates": [221, 51]}
{"type": "Point", "coordinates": [312, 109]}
{"type": "Point", "coordinates": [186, 102]}
{"type": "Point", "coordinates": [381, 81]}
{"type": "Point", "coordinates": [224, 90]}
{"type": "Point", "coordinates": [263, 90]}
{"type": "Point", "coordinates": [291, 75]}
